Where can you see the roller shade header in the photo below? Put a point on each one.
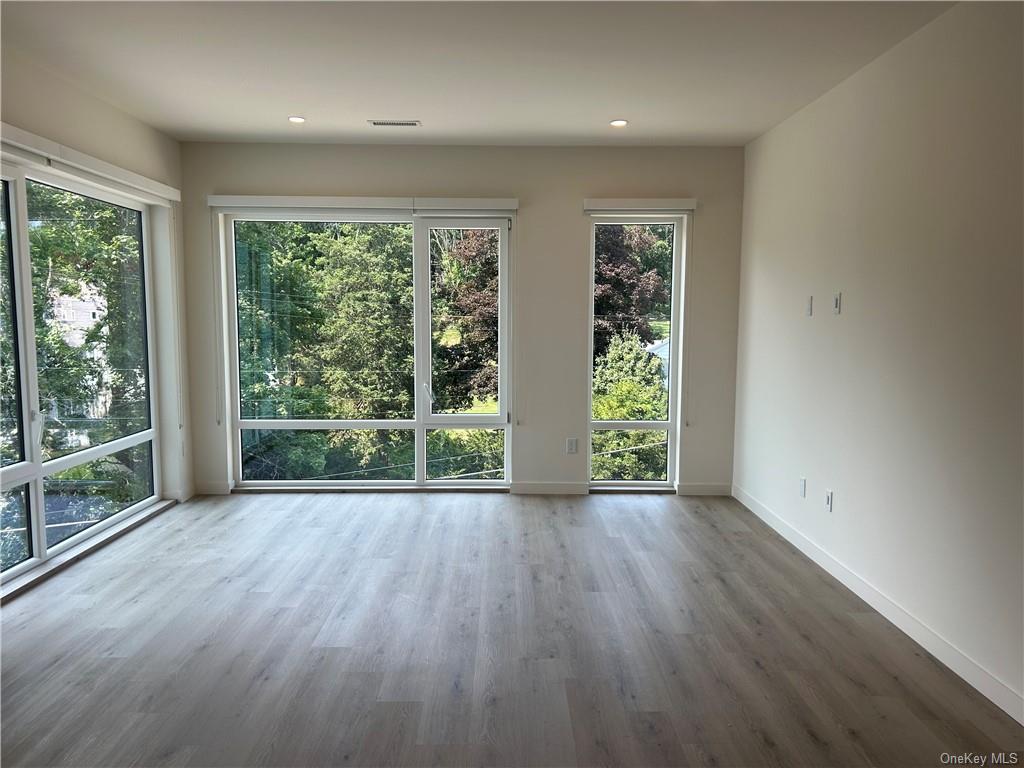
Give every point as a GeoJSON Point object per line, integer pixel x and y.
{"type": "Point", "coordinates": [639, 206]}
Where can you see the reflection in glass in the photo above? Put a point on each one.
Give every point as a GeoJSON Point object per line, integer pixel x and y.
{"type": "Point", "coordinates": [82, 496]}
{"type": "Point", "coordinates": [90, 319]}
{"type": "Point", "coordinates": [640, 454]}
{"type": "Point", "coordinates": [632, 321]}
{"type": "Point", "coordinates": [12, 446]}
{"type": "Point", "coordinates": [466, 454]}
{"type": "Point", "coordinates": [325, 320]}
{"type": "Point", "coordinates": [464, 320]}
{"type": "Point", "coordinates": [356, 454]}
{"type": "Point", "coordinates": [15, 535]}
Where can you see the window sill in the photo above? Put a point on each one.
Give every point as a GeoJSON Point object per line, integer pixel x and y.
{"type": "Point", "coordinates": [47, 568]}
{"type": "Point", "coordinates": [373, 489]}
{"type": "Point", "coordinates": [667, 489]}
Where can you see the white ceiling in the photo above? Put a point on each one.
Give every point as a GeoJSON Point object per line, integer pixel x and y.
{"type": "Point", "coordinates": [474, 73]}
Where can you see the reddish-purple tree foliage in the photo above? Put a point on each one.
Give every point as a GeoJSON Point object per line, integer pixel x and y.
{"type": "Point", "coordinates": [625, 290]}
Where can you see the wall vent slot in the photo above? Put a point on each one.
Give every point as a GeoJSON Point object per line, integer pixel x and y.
{"type": "Point", "coordinates": [395, 123]}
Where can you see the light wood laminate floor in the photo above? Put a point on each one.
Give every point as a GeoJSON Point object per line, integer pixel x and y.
{"type": "Point", "coordinates": [469, 629]}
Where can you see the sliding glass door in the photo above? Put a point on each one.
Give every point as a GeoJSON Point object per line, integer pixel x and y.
{"type": "Point", "coordinates": [637, 279]}
{"type": "Point", "coordinates": [370, 350]}
{"type": "Point", "coordinates": [76, 424]}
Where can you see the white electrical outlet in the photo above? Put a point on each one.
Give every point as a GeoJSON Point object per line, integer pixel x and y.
{"type": "Point", "coordinates": [803, 487]}
{"type": "Point", "coordinates": [828, 501]}
{"type": "Point", "coordinates": [571, 446]}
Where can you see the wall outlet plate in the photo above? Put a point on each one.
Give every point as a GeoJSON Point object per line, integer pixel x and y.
{"type": "Point", "coordinates": [837, 303]}
{"type": "Point", "coordinates": [828, 501]}
{"type": "Point", "coordinates": [571, 445]}
{"type": "Point", "coordinates": [803, 487]}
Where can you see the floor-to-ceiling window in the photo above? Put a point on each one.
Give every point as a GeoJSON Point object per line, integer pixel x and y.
{"type": "Point", "coordinates": [637, 278]}
{"type": "Point", "coordinates": [76, 424]}
{"type": "Point", "coordinates": [15, 530]}
{"type": "Point", "coordinates": [370, 348]}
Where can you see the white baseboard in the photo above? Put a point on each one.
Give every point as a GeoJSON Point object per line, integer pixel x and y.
{"type": "Point", "coordinates": [704, 489]}
{"type": "Point", "coordinates": [214, 489]}
{"type": "Point", "coordinates": [552, 488]}
{"type": "Point", "coordinates": [990, 686]}
{"type": "Point", "coordinates": [179, 494]}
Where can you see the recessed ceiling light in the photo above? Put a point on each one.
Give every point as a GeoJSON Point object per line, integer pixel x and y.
{"type": "Point", "coordinates": [619, 123]}
{"type": "Point", "coordinates": [296, 119]}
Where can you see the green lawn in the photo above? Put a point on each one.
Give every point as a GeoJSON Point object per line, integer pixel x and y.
{"type": "Point", "coordinates": [490, 405]}
{"type": "Point", "coordinates": [449, 337]}
{"type": "Point", "coordinates": [660, 328]}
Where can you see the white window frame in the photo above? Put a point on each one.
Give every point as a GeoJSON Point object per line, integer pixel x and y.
{"type": "Point", "coordinates": [649, 214]}
{"type": "Point", "coordinates": [424, 357]}
{"type": "Point", "coordinates": [33, 470]}
{"type": "Point", "coordinates": [470, 214]}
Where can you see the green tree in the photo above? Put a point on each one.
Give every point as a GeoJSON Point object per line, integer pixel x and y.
{"type": "Point", "coordinates": [365, 344]}
{"type": "Point", "coordinates": [629, 385]}
{"type": "Point", "coordinates": [325, 314]}
{"type": "Point", "coordinates": [464, 316]}
{"type": "Point", "coordinates": [90, 250]}
{"type": "Point", "coordinates": [629, 382]}
{"type": "Point", "coordinates": [475, 453]}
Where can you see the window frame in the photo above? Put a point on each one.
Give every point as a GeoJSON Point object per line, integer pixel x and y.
{"type": "Point", "coordinates": [424, 351]}
{"type": "Point", "coordinates": [681, 221]}
{"type": "Point", "coordinates": [424, 421]}
{"type": "Point", "coordinates": [34, 470]}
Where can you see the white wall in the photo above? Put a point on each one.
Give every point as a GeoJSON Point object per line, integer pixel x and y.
{"type": "Point", "coordinates": [44, 103]}
{"type": "Point", "coordinates": [901, 188]}
{"type": "Point", "coordinates": [550, 289]}
{"type": "Point", "coordinates": [49, 106]}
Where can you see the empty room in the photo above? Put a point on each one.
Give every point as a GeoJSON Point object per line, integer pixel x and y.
{"type": "Point", "coordinates": [506, 384]}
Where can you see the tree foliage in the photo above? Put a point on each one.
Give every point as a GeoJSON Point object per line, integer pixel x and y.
{"type": "Point", "coordinates": [464, 312]}
{"type": "Point", "coordinates": [629, 382]}
{"type": "Point", "coordinates": [93, 382]}
{"type": "Point", "coordinates": [629, 386]}
{"type": "Point", "coordinates": [632, 281]}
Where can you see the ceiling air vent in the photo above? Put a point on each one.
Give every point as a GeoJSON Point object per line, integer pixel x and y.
{"type": "Point", "coordinates": [394, 123]}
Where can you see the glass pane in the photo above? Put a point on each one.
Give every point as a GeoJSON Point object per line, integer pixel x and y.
{"type": "Point", "coordinates": [15, 537]}
{"type": "Point", "coordinates": [90, 319]}
{"type": "Point", "coordinates": [84, 495]}
{"type": "Point", "coordinates": [325, 320]}
{"type": "Point", "coordinates": [12, 446]}
{"type": "Point", "coordinates": [618, 454]}
{"type": "Point", "coordinates": [632, 321]}
{"type": "Point", "coordinates": [464, 320]}
{"type": "Point", "coordinates": [466, 454]}
{"type": "Point", "coordinates": [356, 454]}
